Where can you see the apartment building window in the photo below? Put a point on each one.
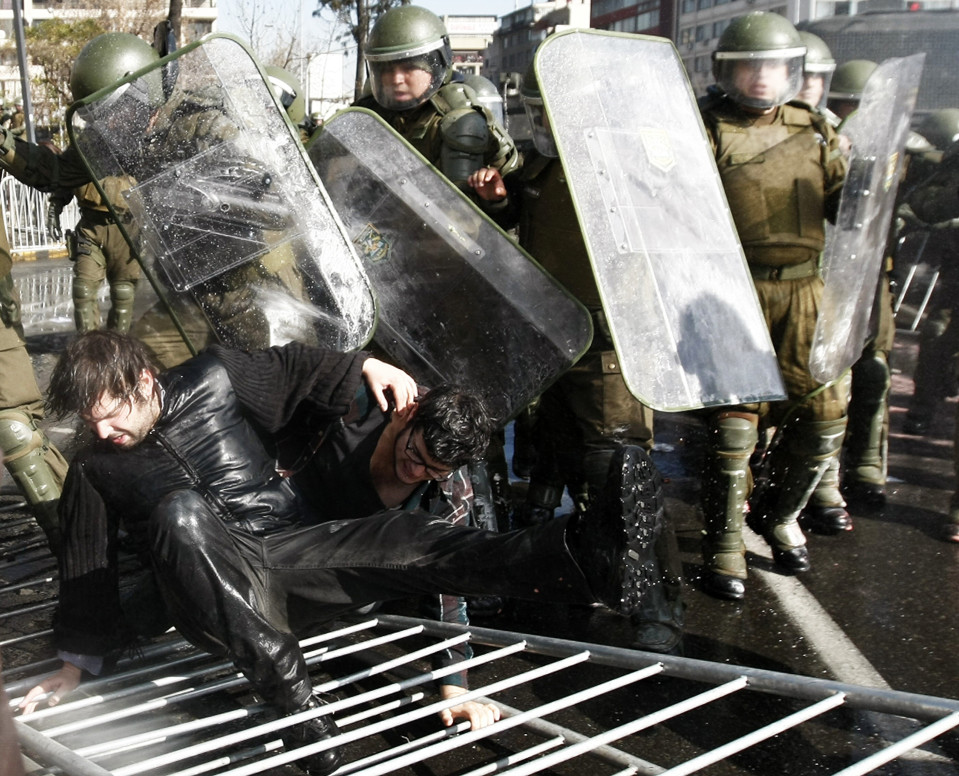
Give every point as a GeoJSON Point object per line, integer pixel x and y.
{"type": "Point", "coordinates": [702, 5]}
{"type": "Point", "coordinates": [689, 6]}
{"type": "Point", "coordinates": [720, 27]}
{"type": "Point", "coordinates": [703, 63]}
{"type": "Point", "coordinates": [602, 7]}
{"type": "Point", "coordinates": [702, 33]}
{"type": "Point", "coordinates": [686, 35]}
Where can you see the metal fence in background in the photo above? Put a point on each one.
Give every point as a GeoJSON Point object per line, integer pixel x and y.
{"type": "Point", "coordinates": [25, 217]}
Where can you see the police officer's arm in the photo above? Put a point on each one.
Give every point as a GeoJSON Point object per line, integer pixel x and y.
{"type": "Point", "coordinates": [41, 167]}
{"type": "Point", "coordinates": [835, 166]}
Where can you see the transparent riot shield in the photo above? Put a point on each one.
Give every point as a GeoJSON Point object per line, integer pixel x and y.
{"type": "Point", "coordinates": [225, 211]}
{"type": "Point", "coordinates": [457, 299]}
{"type": "Point", "coordinates": [672, 276]}
{"type": "Point", "coordinates": [856, 244]}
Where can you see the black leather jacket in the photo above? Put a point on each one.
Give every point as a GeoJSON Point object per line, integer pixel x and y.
{"type": "Point", "coordinates": [206, 440]}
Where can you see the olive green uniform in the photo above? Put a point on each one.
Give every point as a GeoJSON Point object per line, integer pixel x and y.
{"type": "Point", "coordinates": [782, 173]}
{"type": "Point", "coordinates": [181, 128]}
{"type": "Point", "coordinates": [33, 461]}
{"type": "Point", "coordinates": [457, 134]}
{"type": "Point", "coordinates": [100, 252]}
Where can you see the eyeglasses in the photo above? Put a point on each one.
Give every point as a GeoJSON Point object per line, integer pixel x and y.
{"type": "Point", "coordinates": [413, 454]}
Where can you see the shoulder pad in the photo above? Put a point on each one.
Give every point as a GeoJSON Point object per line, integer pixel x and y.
{"type": "Point", "coordinates": [454, 96]}
{"type": "Point", "coordinates": [465, 130]}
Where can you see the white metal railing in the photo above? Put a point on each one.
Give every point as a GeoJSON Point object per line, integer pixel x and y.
{"type": "Point", "coordinates": [174, 710]}
{"type": "Point", "coordinates": [25, 216]}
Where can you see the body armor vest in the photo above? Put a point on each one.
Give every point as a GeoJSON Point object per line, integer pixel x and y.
{"type": "Point", "coordinates": [773, 175]}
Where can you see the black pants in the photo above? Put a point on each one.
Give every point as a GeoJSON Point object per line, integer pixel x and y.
{"type": "Point", "coordinates": [243, 596]}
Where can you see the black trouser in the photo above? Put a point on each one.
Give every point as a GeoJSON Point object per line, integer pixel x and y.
{"type": "Point", "coordinates": [243, 596]}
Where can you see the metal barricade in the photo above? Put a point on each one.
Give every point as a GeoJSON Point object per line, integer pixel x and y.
{"type": "Point", "coordinates": [25, 217]}
{"type": "Point", "coordinates": [568, 708]}
{"type": "Point", "coordinates": [46, 301]}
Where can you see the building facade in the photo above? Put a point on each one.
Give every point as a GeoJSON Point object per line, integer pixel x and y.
{"type": "Point", "coordinates": [198, 18]}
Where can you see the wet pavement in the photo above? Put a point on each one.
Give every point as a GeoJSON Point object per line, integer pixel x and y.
{"type": "Point", "coordinates": [877, 609]}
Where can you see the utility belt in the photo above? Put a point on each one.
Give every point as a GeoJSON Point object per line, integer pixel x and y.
{"type": "Point", "coordinates": [806, 269]}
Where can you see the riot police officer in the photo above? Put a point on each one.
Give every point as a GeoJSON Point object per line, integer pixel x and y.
{"type": "Point", "coordinates": [289, 92]}
{"type": "Point", "coordinates": [866, 443]}
{"type": "Point", "coordinates": [97, 248]}
{"type": "Point", "coordinates": [410, 66]}
{"type": "Point", "coordinates": [937, 201]}
{"type": "Point", "coordinates": [782, 170]}
{"type": "Point", "coordinates": [818, 68]}
{"type": "Point", "coordinates": [99, 252]}
{"type": "Point", "coordinates": [582, 418]}
{"type": "Point", "coordinates": [35, 464]}
{"type": "Point", "coordinates": [935, 372]}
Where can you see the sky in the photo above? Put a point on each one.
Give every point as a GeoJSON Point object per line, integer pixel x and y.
{"type": "Point", "coordinates": [479, 7]}
{"type": "Point", "coordinates": [229, 8]}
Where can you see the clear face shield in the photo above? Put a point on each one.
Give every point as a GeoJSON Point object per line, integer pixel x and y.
{"type": "Point", "coordinates": [815, 88]}
{"type": "Point", "coordinates": [404, 84]}
{"type": "Point", "coordinates": [761, 79]}
{"type": "Point", "coordinates": [539, 124]}
{"type": "Point", "coordinates": [131, 104]}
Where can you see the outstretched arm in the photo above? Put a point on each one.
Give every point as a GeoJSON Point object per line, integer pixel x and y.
{"type": "Point", "coordinates": [53, 688]}
{"type": "Point", "coordinates": [479, 715]}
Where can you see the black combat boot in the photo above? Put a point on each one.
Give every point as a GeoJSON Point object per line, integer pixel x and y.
{"type": "Point", "coordinates": [313, 731]}
{"type": "Point", "coordinates": [614, 542]}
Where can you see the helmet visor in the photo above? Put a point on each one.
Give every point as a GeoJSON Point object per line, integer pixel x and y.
{"type": "Point", "coordinates": [815, 87]}
{"type": "Point", "coordinates": [403, 84]}
{"type": "Point", "coordinates": [539, 124]}
{"type": "Point", "coordinates": [761, 79]}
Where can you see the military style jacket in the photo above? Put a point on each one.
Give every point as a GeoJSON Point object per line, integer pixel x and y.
{"type": "Point", "coordinates": [444, 130]}
{"type": "Point", "coordinates": [783, 174]}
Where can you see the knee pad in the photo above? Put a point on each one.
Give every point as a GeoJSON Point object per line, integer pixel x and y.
{"type": "Point", "coordinates": [24, 446]}
{"type": "Point", "coordinates": [871, 376]}
{"type": "Point", "coordinates": [817, 440]}
{"type": "Point", "coordinates": [85, 290]}
{"type": "Point", "coordinates": [19, 435]}
{"type": "Point", "coordinates": [123, 292]}
{"type": "Point", "coordinates": [733, 434]}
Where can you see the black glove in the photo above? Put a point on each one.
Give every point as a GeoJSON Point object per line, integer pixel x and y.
{"type": "Point", "coordinates": [54, 231]}
{"type": "Point", "coordinates": [9, 308]}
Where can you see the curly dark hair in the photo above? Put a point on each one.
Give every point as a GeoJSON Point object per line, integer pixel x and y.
{"type": "Point", "coordinates": [455, 424]}
{"type": "Point", "coordinates": [95, 363]}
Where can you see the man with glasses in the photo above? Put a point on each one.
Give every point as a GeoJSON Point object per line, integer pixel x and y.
{"type": "Point", "coordinates": [409, 458]}
{"type": "Point", "coordinates": [180, 464]}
